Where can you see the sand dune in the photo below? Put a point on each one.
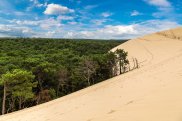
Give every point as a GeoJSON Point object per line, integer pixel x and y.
{"type": "Point", "coordinates": [150, 93]}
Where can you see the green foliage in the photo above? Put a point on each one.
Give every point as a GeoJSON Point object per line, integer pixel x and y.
{"type": "Point", "coordinates": [38, 70]}
{"type": "Point", "coordinates": [19, 84]}
{"type": "Point", "coordinates": [22, 82]}
{"type": "Point", "coordinates": [122, 58]}
{"type": "Point", "coordinates": [52, 93]}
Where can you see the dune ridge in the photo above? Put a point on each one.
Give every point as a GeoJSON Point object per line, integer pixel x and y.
{"type": "Point", "coordinates": [150, 93]}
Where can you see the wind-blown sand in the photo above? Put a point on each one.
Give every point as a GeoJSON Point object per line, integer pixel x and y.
{"type": "Point", "coordinates": [151, 93]}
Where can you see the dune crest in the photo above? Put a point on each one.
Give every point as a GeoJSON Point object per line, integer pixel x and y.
{"type": "Point", "coordinates": [150, 93]}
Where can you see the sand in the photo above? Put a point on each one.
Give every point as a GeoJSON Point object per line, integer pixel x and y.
{"type": "Point", "coordinates": [151, 93]}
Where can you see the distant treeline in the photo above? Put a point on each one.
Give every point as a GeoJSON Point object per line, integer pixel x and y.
{"type": "Point", "coordinates": [34, 71]}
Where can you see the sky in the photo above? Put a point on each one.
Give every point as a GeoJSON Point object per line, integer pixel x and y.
{"type": "Point", "coordinates": [91, 19]}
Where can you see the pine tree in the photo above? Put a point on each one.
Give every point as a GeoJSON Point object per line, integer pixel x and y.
{"type": "Point", "coordinates": [19, 84]}
{"type": "Point", "coordinates": [23, 84]}
{"type": "Point", "coordinates": [123, 61]}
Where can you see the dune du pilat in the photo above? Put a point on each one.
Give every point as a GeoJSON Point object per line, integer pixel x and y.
{"type": "Point", "coordinates": [147, 89]}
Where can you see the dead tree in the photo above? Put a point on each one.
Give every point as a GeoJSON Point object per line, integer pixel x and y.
{"type": "Point", "coordinates": [89, 67]}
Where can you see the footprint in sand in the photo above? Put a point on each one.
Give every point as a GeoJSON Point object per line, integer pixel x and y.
{"type": "Point", "coordinates": [129, 102]}
{"type": "Point", "coordinates": [112, 111]}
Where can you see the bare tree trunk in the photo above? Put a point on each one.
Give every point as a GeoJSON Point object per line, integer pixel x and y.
{"type": "Point", "coordinates": [4, 100]}
{"type": "Point", "coordinates": [114, 72]}
{"type": "Point", "coordinates": [38, 98]}
{"type": "Point", "coordinates": [120, 72]}
{"type": "Point", "coordinates": [57, 92]}
{"type": "Point", "coordinates": [13, 104]}
{"type": "Point", "coordinates": [124, 69]}
{"type": "Point", "coordinates": [88, 77]}
{"type": "Point", "coordinates": [40, 83]}
{"type": "Point", "coordinates": [88, 80]}
{"type": "Point", "coordinates": [20, 102]}
{"type": "Point", "coordinates": [10, 107]}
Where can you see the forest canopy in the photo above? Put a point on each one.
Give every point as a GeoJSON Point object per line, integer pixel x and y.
{"type": "Point", "coordinates": [34, 71]}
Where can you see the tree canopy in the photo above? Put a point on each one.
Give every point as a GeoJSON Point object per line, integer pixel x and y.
{"type": "Point", "coordinates": [34, 71]}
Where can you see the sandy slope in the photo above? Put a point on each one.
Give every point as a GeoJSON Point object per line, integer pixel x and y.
{"type": "Point", "coordinates": [151, 93]}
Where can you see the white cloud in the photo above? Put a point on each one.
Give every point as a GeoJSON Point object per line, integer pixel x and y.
{"type": "Point", "coordinates": [49, 23]}
{"type": "Point", "coordinates": [98, 22]}
{"type": "Point", "coordinates": [124, 31]}
{"type": "Point", "coordinates": [24, 22]}
{"type": "Point", "coordinates": [44, 24]}
{"type": "Point", "coordinates": [152, 26]}
{"type": "Point", "coordinates": [135, 13]}
{"type": "Point", "coordinates": [107, 32]}
{"type": "Point", "coordinates": [111, 31]}
{"type": "Point", "coordinates": [106, 14]}
{"type": "Point", "coordinates": [165, 9]}
{"type": "Point", "coordinates": [54, 29]}
{"type": "Point", "coordinates": [72, 23]}
{"type": "Point", "coordinates": [15, 31]}
{"type": "Point", "coordinates": [62, 17]}
{"type": "Point", "coordinates": [36, 3]}
{"type": "Point", "coordinates": [55, 9]}
{"type": "Point", "coordinates": [159, 3]}
{"type": "Point", "coordinates": [50, 33]}
{"type": "Point", "coordinates": [166, 12]}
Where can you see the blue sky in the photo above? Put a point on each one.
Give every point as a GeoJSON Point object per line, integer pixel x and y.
{"type": "Point", "coordinates": [96, 19]}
